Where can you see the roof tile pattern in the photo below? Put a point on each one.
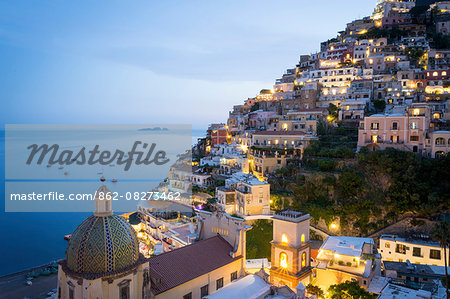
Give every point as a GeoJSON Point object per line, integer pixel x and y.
{"type": "Point", "coordinates": [102, 244]}
{"type": "Point", "coordinates": [181, 265]}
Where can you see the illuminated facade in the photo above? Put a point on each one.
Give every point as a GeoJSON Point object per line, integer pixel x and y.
{"type": "Point", "coordinates": [291, 249]}
{"type": "Point", "coordinates": [404, 131]}
{"type": "Point", "coordinates": [244, 194]}
{"type": "Point", "coordinates": [385, 6]}
{"type": "Point", "coordinates": [343, 259]}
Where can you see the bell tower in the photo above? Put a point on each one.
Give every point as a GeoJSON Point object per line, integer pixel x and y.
{"type": "Point", "coordinates": [103, 201]}
{"type": "Point", "coordinates": [291, 249]}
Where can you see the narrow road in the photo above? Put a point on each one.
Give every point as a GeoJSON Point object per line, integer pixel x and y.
{"type": "Point", "coordinates": [14, 286]}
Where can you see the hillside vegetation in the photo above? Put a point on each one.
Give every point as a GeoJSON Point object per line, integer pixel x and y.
{"type": "Point", "coordinates": [365, 191]}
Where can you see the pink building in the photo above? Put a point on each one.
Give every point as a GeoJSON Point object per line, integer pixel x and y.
{"type": "Point", "coordinates": [259, 119]}
{"type": "Point", "coordinates": [402, 131]}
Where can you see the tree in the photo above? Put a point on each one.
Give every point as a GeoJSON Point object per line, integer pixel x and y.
{"type": "Point", "coordinates": [441, 232]}
{"type": "Point", "coordinates": [258, 239]}
{"type": "Point", "coordinates": [333, 111]}
{"type": "Point", "coordinates": [349, 289]}
{"type": "Point", "coordinates": [315, 290]}
{"type": "Point", "coordinates": [379, 105]}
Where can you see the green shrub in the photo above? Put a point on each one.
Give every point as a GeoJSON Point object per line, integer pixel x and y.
{"type": "Point", "coordinates": [327, 164]}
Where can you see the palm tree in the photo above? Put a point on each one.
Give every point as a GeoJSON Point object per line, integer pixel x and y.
{"type": "Point", "coordinates": [441, 232]}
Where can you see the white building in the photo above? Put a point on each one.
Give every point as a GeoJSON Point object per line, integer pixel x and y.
{"type": "Point", "coordinates": [244, 194]}
{"type": "Point", "coordinates": [396, 291]}
{"type": "Point", "coordinates": [393, 248]}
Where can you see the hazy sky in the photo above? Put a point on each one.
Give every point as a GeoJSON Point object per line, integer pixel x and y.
{"type": "Point", "coordinates": [153, 61]}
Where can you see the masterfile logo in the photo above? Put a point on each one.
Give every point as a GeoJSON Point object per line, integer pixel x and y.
{"type": "Point", "coordinates": [95, 156]}
{"type": "Point", "coordinates": [55, 168]}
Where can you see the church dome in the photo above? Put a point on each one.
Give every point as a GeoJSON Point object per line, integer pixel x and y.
{"type": "Point", "coordinates": [103, 243]}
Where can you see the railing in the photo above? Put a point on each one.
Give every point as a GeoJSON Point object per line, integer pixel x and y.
{"type": "Point", "coordinates": [384, 142]}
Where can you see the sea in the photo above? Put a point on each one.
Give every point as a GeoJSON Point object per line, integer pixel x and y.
{"type": "Point", "coordinates": [33, 239]}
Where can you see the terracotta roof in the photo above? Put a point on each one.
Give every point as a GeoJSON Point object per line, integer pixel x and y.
{"type": "Point", "coordinates": [181, 265]}
{"type": "Point", "coordinates": [280, 133]}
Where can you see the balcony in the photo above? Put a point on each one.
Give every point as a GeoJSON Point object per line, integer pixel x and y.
{"type": "Point", "coordinates": [384, 142]}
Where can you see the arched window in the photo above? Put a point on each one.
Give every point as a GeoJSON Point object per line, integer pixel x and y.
{"type": "Point", "coordinates": [439, 154]}
{"type": "Point", "coordinates": [440, 141]}
{"type": "Point", "coordinates": [303, 259]}
{"type": "Point", "coordinates": [284, 239]}
{"type": "Point", "coordinates": [283, 260]}
{"type": "Point", "coordinates": [303, 238]}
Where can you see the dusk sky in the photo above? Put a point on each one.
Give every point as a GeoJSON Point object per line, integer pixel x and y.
{"type": "Point", "coordinates": [153, 61]}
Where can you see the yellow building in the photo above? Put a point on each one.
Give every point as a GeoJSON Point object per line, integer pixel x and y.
{"type": "Point", "coordinates": [291, 249]}
{"type": "Point", "coordinates": [342, 259]}
{"type": "Point", "coordinates": [266, 162]}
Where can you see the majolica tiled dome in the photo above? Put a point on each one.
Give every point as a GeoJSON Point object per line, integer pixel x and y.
{"type": "Point", "coordinates": [102, 244]}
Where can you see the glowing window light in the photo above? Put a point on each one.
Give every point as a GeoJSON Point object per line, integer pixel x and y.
{"type": "Point", "coordinates": [304, 259]}
{"type": "Point", "coordinates": [303, 238]}
{"type": "Point", "coordinates": [283, 260]}
{"type": "Point", "coordinates": [284, 239]}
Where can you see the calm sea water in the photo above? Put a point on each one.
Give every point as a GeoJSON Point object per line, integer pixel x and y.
{"type": "Point", "coordinates": [33, 239]}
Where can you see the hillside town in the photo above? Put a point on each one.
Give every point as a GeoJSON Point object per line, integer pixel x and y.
{"type": "Point", "coordinates": [272, 204]}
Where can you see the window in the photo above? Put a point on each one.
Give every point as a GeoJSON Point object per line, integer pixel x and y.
{"type": "Point", "coordinates": [414, 138]}
{"type": "Point", "coordinates": [387, 245]}
{"type": "Point", "coordinates": [234, 275]}
{"type": "Point", "coordinates": [400, 249]}
{"type": "Point", "coordinates": [219, 283]}
{"type": "Point", "coordinates": [188, 296]}
{"type": "Point", "coordinates": [440, 141]}
{"type": "Point", "coordinates": [435, 254]}
{"type": "Point", "coordinates": [303, 259]}
{"type": "Point", "coordinates": [124, 289]}
{"type": "Point", "coordinates": [71, 293]}
{"type": "Point", "coordinates": [395, 126]}
{"type": "Point", "coordinates": [416, 251]}
{"type": "Point", "coordinates": [204, 291]}
{"type": "Point", "coordinates": [283, 260]}
{"type": "Point", "coordinates": [124, 292]}
{"type": "Point", "coordinates": [374, 126]}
